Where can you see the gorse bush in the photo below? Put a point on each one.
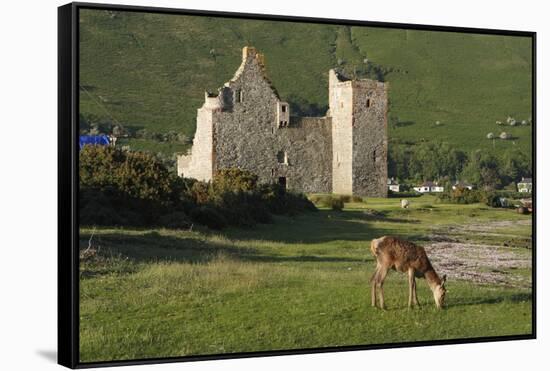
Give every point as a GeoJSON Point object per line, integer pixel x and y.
{"type": "Point", "coordinates": [175, 220]}
{"type": "Point", "coordinates": [337, 204]}
{"type": "Point", "coordinates": [234, 180]}
{"type": "Point", "coordinates": [136, 189]}
{"type": "Point", "coordinates": [464, 196]}
{"type": "Point", "coordinates": [209, 216]}
{"type": "Point", "coordinates": [490, 198]}
{"type": "Point", "coordinates": [345, 198]}
{"type": "Point", "coordinates": [127, 188]}
{"type": "Point", "coordinates": [135, 174]}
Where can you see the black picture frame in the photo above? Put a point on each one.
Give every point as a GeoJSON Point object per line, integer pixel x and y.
{"type": "Point", "coordinates": [68, 118]}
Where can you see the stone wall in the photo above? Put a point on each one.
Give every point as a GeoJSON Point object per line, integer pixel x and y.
{"type": "Point", "coordinates": [307, 146]}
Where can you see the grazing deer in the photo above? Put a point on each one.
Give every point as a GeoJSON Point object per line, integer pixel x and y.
{"type": "Point", "coordinates": [404, 256]}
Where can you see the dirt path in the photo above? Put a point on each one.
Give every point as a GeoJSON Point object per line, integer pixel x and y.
{"type": "Point", "coordinates": [480, 263]}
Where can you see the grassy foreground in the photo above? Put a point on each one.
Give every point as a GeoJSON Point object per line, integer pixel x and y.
{"type": "Point", "coordinates": [298, 283]}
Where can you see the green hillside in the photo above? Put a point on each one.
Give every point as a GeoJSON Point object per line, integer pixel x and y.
{"type": "Point", "coordinates": [151, 70]}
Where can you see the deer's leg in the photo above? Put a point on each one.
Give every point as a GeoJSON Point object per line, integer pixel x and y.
{"type": "Point", "coordinates": [415, 298]}
{"type": "Point", "coordinates": [411, 286]}
{"type": "Point", "coordinates": [382, 272]}
{"type": "Point", "coordinates": [373, 287]}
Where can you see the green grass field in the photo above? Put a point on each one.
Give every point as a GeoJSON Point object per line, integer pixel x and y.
{"type": "Point", "coordinates": [300, 282]}
{"type": "Point", "coordinates": [151, 70]}
{"type": "Point", "coordinates": [148, 145]}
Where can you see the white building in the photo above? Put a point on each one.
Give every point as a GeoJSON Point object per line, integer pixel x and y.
{"type": "Point", "coordinates": [526, 185]}
{"type": "Point", "coordinates": [393, 185]}
{"type": "Point", "coordinates": [429, 187]}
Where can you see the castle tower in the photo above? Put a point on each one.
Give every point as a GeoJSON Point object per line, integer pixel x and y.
{"type": "Point", "coordinates": [359, 141]}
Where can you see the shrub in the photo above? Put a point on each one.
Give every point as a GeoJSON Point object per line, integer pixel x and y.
{"type": "Point", "coordinates": [133, 174]}
{"type": "Point", "coordinates": [345, 198]}
{"type": "Point", "coordinates": [234, 180]}
{"type": "Point", "coordinates": [283, 202]}
{"type": "Point", "coordinates": [241, 208]}
{"type": "Point", "coordinates": [200, 192]}
{"type": "Point", "coordinates": [209, 216]}
{"type": "Point", "coordinates": [132, 188]}
{"type": "Point", "coordinates": [108, 208]}
{"type": "Point", "coordinates": [175, 220]}
{"type": "Point", "coordinates": [337, 204]}
{"type": "Point", "coordinates": [330, 200]}
{"type": "Point", "coordinates": [99, 213]}
{"type": "Point", "coordinates": [493, 200]}
{"type": "Point", "coordinates": [326, 200]}
{"type": "Point", "coordinates": [260, 213]}
{"type": "Point", "coordinates": [464, 196]}
{"type": "Point", "coordinates": [314, 198]}
{"type": "Point", "coordinates": [511, 194]}
{"type": "Point", "coordinates": [127, 188]}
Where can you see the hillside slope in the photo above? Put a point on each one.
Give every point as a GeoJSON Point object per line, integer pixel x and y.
{"type": "Point", "coordinates": [150, 71]}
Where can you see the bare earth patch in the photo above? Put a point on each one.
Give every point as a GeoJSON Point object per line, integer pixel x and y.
{"type": "Point", "coordinates": [480, 263]}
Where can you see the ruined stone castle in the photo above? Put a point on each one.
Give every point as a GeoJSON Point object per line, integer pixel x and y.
{"type": "Point", "coordinates": [247, 125]}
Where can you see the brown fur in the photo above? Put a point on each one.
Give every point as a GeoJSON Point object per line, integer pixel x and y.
{"type": "Point", "coordinates": [407, 257]}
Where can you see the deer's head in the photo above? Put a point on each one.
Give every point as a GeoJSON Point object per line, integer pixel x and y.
{"type": "Point", "coordinates": [439, 293]}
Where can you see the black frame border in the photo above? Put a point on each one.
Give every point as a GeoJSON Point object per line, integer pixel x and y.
{"type": "Point", "coordinates": [67, 229]}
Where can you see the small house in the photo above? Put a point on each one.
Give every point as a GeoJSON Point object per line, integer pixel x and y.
{"type": "Point", "coordinates": [525, 185]}
{"type": "Point", "coordinates": [429, 187]}
{"type": "Point", "coordinates": [393, 185]}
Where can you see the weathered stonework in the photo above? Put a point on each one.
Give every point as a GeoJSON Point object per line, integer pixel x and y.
{"type": "Point", "coordinates": [246, 125]}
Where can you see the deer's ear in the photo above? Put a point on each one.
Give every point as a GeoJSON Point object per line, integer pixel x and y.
{"type": "Point", "coordinates": [444, 279]}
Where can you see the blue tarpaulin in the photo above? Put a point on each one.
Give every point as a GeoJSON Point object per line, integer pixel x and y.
{"type": "Point", "coordinates": [101, 140]}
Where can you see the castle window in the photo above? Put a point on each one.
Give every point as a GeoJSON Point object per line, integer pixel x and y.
{"type": "Point", "coordinates": [272, 172]}
{"type": "Point", "coordinates": [282, 114]}
{"type": "Point", "coordinates": [282, 182]}
{"type": "Point", "coordinates": [282, 158]}
{"type": "Point", "coordinates": [368, 102]}
{"type": "Point", "coordinates": [341, 104]}
{"type": "Point", "coordinates": [374, 156]}
{"type": "Point", "coordinates": [239, 96]}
